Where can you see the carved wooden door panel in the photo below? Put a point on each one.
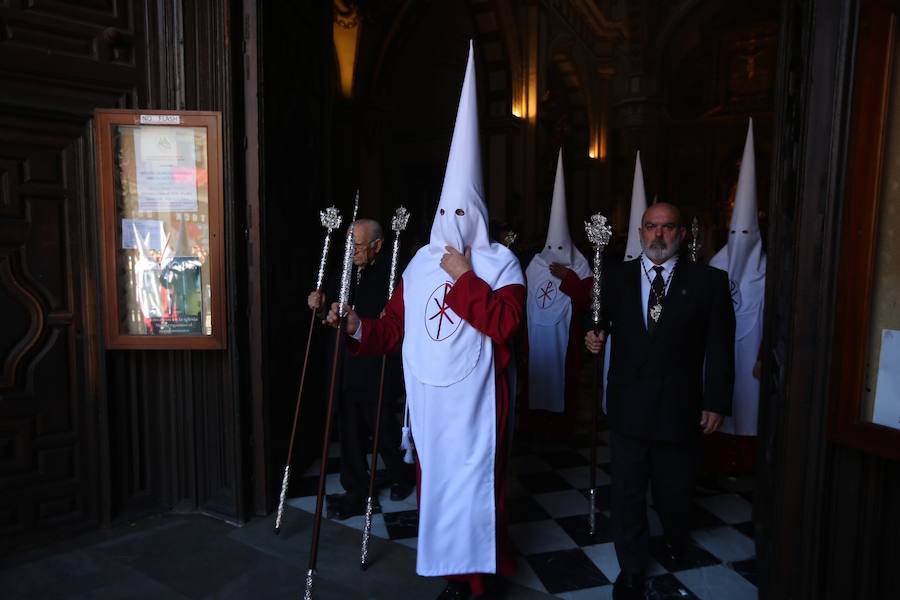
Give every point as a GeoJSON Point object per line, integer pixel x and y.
{"type": "Point", "coordinates": [58, 61]}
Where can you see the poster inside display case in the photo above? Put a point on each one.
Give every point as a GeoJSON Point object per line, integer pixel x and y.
{"type": "Point", "coordinates": [160, 183]}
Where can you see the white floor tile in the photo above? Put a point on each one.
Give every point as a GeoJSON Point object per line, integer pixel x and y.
{"type": "Point", "coordinates": [731, 508]}
{"type": "Point", "coordinates": [604, 556]}
{"type": "Point", "coordinates": [725, 543]}
{"type": "Point", "coordinates": [307, 503]}
{"type": "Point", "coordinates": [412, 542]}
{"type": "Point", "coordinates": [717, 582]}
{"type": "Point", "coordinates": [333, 484]}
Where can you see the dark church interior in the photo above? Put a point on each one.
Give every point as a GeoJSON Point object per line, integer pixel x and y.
{"type": "Point", "coordinates": [133, 468]}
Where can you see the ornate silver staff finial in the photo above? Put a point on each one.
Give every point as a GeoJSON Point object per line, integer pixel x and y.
{"type": "Point", "coordinates": [347, 268]}
{"type": "Point", "coordinates": [331, 220]}
{"type": "Point", "coordinates": [695, 240]}
{"type": "Point", "coordinates": [398, 224]}
{"type": "Point", "coordinates": [510, 238]}
{"type": "Point", "coordinates": [599, 234]}
{"type": "Point", "coordinates": [400, 219]}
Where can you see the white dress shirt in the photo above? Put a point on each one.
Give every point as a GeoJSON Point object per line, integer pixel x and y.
{"type": "Point", "coordinates": [647, 268]}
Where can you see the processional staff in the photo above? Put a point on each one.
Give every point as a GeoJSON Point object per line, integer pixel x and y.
{"type": "Point", "coordinates": [599, 234]}
{"type": "Point", "coordinates": [343, 300]}
{"type": "Point", "coordinates": [398, 224]}
{"type": "Point", "coordinates": [331, 220]}
{"type": "Point", "coordinates": [695, 244]}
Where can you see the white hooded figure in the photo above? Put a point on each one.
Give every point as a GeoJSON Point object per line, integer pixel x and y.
{"type": "Point", "coordinates": [632, 246]}
{"type": "Point", "coordinates": [549, 309]}
{"type": "Point", "coordinates": [147, 279]}
{"type": "Point", "coordinates": [744, 260]}
{"type": "Point", "coordinates": [449, 367]}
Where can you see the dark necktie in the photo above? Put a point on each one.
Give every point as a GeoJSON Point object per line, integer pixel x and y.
{"type": "Point", "coordinates": [657, 291]}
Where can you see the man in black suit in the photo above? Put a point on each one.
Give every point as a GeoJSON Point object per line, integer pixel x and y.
{"type": "Point", "coordinates": [670, 380]}
{"type": "Point", "coordinates": [360, 376]}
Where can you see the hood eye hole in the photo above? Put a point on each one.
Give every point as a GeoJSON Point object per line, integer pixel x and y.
{"type": "Point", "coordinates": [733, 231]}
{"type": "Point", "coordinates": [442, 211]}
{"type": "Point", "coordinates": [549, 247]}
{"type": "Point", "coordinates": [745, 231]}
{"type": "Point", "coordinates": [560, 247]}
{"type": "Point", "coordinates": [460, 212]}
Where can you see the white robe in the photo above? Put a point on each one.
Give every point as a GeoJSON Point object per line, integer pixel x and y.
{"type": "Point", "coordinates": [451, 395]}
{"type": "Point", "coordinates": [549, 313]}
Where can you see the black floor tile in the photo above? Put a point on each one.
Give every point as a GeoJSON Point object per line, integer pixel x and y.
{"type": "Point", "coordinates": [601, 496]}
{"type": "Point", "coordinates": [693, 556]}
{"type": "Point", "coordinates": [667, 587]}
{"type": "Point", "coordinates": [566, 570]}
{"type": "Point", "coordinates": [578, 529]}
{"type": "Point", "coordinates": [401, 525]}
{"type": "Point", "coordinates": [524, 509]}
{"type": "Point", "coordinates": [540, 483]}
{"type": "Point", "coordinates": [564, 459]}
{"type": "Point", "coordinates": [747, 569]}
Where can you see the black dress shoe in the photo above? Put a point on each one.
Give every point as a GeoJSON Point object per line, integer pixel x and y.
{"type": "Point", "coordinates": [400, 491]}
{"type": "Point", "coordinates": [344, 506]}
{"type": "Point", "coordinates": [628, 587]}
{"type": "Point", "coordinates": [456, 590]}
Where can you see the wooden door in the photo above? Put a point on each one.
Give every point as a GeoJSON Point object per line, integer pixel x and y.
{"type": "Point", "coordinates": [58, 61]}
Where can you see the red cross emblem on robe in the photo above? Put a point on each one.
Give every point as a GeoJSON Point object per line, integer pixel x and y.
{"type": "Point", "coordinates": [440, 320]}
{"type": "Point", "coordinates": [546, 294]}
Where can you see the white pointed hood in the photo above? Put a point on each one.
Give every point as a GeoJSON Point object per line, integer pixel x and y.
{"type": "Point", "coordinates": [461, 221]}
{"type": "Point", "coordinates": [463, 188]}
{"type": "Point", "coordinates": [559, 247]}
{"type": "Point", "coordinates": [638, 207]}
{"type": "Point", "coordinates": [743, 256]}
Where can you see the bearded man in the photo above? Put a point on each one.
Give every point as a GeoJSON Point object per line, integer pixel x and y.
{"type": "Point", "coordinates": [671, 378]}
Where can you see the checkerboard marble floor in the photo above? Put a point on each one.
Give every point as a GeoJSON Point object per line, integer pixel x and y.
{"type": "Point", "coordinates": [548, 525]}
